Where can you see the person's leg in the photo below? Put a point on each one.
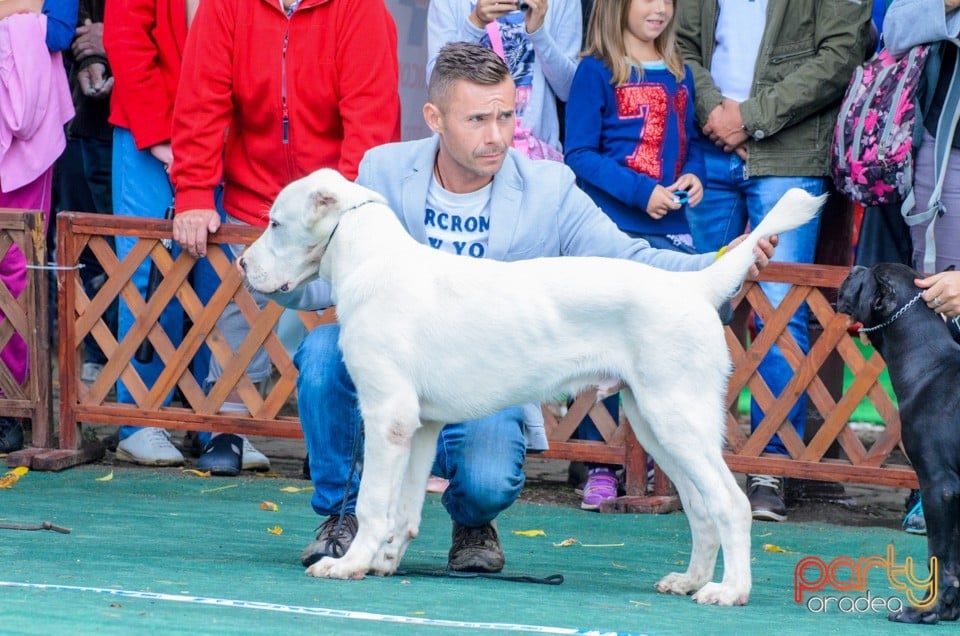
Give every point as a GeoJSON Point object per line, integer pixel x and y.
{"type": "Point", "coordinates": [141, 189]}
{"type": "Point", "coordinates": [947, 227]}
{"type": "Point", "coordinates": [13, 274]}
{"type": "Point", "coordinates": [97, 159]}
{"type": "Point", "coordinates": [799, 245]}
{"type": "Point", "coordinates": [221, 456]}
{"type": "Point", "coordinates": [13, 267]}
{"type": "Point", "coordinates": [483, 460]}
{"type": "Point", "coordinates": [330, 419]}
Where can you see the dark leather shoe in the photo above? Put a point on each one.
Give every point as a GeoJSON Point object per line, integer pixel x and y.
{"type": "Point", "coordinates": [11, 435]}
{"type": "Point", "coordinates": [475, 549]}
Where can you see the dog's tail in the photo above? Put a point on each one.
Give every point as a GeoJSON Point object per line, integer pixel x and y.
{"type": "Point", "coordinates": [725, 276]}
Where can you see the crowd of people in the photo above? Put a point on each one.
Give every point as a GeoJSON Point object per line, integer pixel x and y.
{"type": "Point", "coordinates": [660, 132]}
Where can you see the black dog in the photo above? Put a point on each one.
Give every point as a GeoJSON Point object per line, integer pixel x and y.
{"type": "Point", "coordinates": [924, 364]}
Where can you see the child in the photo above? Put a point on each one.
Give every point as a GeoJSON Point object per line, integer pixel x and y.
{"type": "Point", "coordinates": [629, 128]}
{"type": "Point", "coordinates": [630, 122]}
{"type": "Point", "coordinates": [34, 105]}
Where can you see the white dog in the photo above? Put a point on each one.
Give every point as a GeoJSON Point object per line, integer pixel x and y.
{"type": "Point", "coordinates": [430, 338]}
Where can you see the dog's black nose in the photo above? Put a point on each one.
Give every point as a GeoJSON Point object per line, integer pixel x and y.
{"type": "Point", "coordinates": [285, 287]}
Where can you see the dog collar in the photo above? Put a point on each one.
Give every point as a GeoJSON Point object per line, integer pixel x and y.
{"type": "Point", "coordinates": [354, 207]}
{"type": "Point", "coordinates": [892, 318]}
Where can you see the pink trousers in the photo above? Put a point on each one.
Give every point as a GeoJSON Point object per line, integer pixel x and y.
{"type": "Point", "coordinates": [13, 271]}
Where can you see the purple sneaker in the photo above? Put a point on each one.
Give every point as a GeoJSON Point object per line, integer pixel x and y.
{"type": "Point", "coordinates": [601, 485]}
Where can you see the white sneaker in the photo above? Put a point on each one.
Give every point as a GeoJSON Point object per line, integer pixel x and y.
{"type": "Point", "coordinates": [91, 371]}
{"type": "Point", "coordinates": [252, 459]}
{"type": "Point", "coordinates": [149, 447]}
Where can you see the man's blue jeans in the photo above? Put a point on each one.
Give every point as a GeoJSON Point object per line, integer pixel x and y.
{"type": "Point", "coordinates": [731, 201]}
{"type": "Point", "coordinates": [142, 189]}
{"type": "Point", "coordinates": [483, 459]}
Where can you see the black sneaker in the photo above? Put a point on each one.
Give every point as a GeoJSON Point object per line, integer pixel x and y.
{"type": "Point", "coordinates": [223, 455]}
{"type": "Point", "coordinates": [475, 549]}
{"type": "Point", "coordinates": [334, 537]}
{"type": "Point", "coordinates": [11, 435]}
{"type": "Point", "coordinates": [765, 493]}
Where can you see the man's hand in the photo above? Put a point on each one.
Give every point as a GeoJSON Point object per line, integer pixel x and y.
{"type": "Point", "coordinates": [89, 40]}
{"type": "Point", "coordinates": [763, 252]}
{"type": "Point", "coordinates": [942, 292]}
{"type": "Point", "coordinates": [164, 154]}
{"type": "Point", "coordinates": [190, 230]}
{"type": "Point", "coordinates": [92, 81]}
{"type": "Point", "coordinates": [724, 127]}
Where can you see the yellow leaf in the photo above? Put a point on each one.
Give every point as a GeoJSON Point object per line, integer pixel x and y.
{"type": "Point", "coordinates": [198, 473]}
{"type": "Point", "coordinates": [269, 505]}
{"type": "Point", "coordinates": [295, 489]}
{"type": "Point", "coordinates": [13, 476]}
{"type": "Point", "coordinates": [769, 547]}
{"type": "Point", "coordinates": [275, 530]}
{"type": "Point", "coordinates": [530, 533]}
{"type": "Point", "coordinates": [107, 477]}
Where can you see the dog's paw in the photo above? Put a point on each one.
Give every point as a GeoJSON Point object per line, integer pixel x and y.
{"type": "Point", "coordinates": [330, 568]}
{"type": "Point", "coordinates": [678, 583]}
{"type": "Point", "coordinates": [719, 594]}
{"type": "Point", "coordinates": [386, 561]}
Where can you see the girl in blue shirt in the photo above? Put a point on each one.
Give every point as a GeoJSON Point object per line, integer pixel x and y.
{"type": "Point", "coordinates": [629, 133]}
{"type": "Point", "coordinates": [630, 122]}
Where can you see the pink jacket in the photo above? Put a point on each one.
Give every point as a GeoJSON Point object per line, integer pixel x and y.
{"type": "Point", "coordinates": [34, 101]}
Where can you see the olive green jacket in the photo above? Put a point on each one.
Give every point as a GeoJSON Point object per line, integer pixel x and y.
{"type": "Point", "coordinates": [807, 56]}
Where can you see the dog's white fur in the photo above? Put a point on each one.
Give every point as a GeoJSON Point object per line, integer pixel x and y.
{"type": "Point", "coordinates": [430, 338]}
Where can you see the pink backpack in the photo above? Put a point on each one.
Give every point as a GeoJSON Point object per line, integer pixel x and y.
{"type": "Point", "coordinates": [871, 158]}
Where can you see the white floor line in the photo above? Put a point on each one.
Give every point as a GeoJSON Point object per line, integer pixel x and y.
{"type": "Point", "coordinates": [312, 611]}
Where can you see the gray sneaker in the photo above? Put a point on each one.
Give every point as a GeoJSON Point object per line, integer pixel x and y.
{"type": "Point", "coordinates": [334, 537]}
{"type": "Point", "coordinates": [765, 493]}
{"type": "Point", "coordinates": [475, 549]}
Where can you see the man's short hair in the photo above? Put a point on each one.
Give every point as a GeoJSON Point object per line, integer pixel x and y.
{"type": "Point", "coordinates": [464, 61]}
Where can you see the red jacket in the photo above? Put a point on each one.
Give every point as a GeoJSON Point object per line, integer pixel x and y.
{"type": "Point", "coordinates": [291, 95]}
{"type": "Point", "coordinates": [144, 41]}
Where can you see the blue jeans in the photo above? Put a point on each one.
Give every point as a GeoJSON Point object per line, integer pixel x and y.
{"type": "Point", "coordinates": [142, 189]}
{"type": "Point", "coordinates": [483, 459]}
{"type": "Point", "coordinates": [731, 201]}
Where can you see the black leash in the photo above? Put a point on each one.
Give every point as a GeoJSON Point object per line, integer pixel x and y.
{"type": "Point", "coordinates": [553, 579]}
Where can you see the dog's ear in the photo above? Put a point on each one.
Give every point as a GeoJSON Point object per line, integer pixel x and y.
{"type": "Point", "coordinates": [885, 299]}
{"type": "Point", "coordinates": [322, 199]}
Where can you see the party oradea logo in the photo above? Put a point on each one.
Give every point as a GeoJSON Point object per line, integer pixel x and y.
{"type": "Point", "coordinates": [844, 583]}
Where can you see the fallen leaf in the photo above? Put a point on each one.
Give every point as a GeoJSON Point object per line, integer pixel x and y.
{"type": "Point", "coordinates": [566, 543]}
{"type": "Point", "coordinates": [530, 533]}
{"type": "Point", "coordinates": [107, 477]}
{"type": "Point", "coordinates": [295, 489]}
{"type": "Point", "coordinates": [198, 473]}
{"type": "Point", "coordinates": [769, 547]}
{"type": "Point", "coordinates": [269, 505]}
{"type": "Point", "coordinates": [218, 489]}
{"type": "Point", "coordinates": [275, 530]}
{"type": "Point", "coordinates": [13, 476]}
